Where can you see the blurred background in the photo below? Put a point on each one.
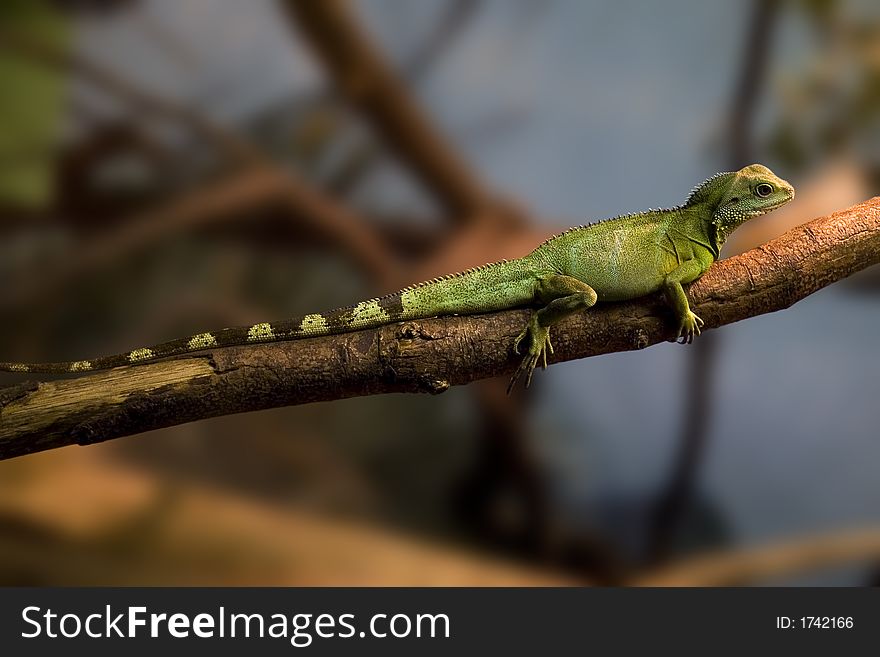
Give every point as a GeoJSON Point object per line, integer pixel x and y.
{"type": "Point", "coordinates": [172, 167]}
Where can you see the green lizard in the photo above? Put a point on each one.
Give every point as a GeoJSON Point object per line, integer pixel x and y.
{"type": "Point", "coordinates": [613, 260]}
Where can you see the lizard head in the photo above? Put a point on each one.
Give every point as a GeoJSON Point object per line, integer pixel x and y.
{"type": "Point", "coordinates": [752, 191]}
{"type": "Point", "coordinates": [734, 197]}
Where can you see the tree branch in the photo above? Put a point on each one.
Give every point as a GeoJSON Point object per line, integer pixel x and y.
{"type": "Point", "coordinates": [697, 407]}
{"type": "Point", "coordinates": [50, 55]}
{"type": "Point", "coordinates": [419, 356]}
{"type": "Point", "coordinates": [759, 564]}
{"type": "Point", "coordinates": [212, 204]}
{"type": "Point", "coordinates": [367, 81]}
{"type": "Point", "coordinates": [259, 180]}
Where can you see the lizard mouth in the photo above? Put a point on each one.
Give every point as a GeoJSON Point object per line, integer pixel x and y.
{"type": "Point", "coordinates": [776, 205]}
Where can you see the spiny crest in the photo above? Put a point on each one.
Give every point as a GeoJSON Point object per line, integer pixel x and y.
{"type": "Point", "coordinates": [416, 286]}
{"type": "Point", "coordinates": [593, 224]}
{"type": "Point", "coordinates": [445, 277]}
{"type": "Point", "coordinates": [709, 188]}
{"type": "Point", "coordinates": [570, 230]}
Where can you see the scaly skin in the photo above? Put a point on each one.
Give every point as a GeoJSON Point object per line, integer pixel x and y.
{"type": "Point", "coordinates": [614, 260]}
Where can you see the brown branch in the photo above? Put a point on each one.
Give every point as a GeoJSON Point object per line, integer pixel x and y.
{"type": "Point", "coordinates": [759, 564]}
{"type": "Point", "coordinates": [52, 56]}
{"type": "Point", "coordinates": [419, 356]}
{"type": "Point", "coordinates": [765, 16]}
{"type": "Point", "coordinates": [306, 203]}
{"type": "Point", "coordinates": [675, 498]}
{"type": "Point", "coordinates": [213, 204]}
{"type": "Point", "coordinates": [367, 81]}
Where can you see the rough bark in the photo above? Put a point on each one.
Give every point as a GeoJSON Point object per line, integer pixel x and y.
{"type": "Point", "coordinates": [419, 356]}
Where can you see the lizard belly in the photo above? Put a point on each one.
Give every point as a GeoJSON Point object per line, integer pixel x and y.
{"type": "Point", "coordinates": [626, 288]}
{"type": "Point", "coordinates": [625, 275]}
{"type": "Point", "coordinates": [620, 260]}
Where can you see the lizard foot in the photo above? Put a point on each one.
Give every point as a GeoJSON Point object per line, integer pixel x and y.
{"type": "Point", "coordinates": [689, 328]}
{"type": "Point", "coordinates": [539, 344]}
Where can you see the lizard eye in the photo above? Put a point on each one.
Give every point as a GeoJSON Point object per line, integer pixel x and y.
{"type": "Point", "coordinates": [764, 190]}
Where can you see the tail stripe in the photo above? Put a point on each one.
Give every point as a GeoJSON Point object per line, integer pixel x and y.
{"type": "Point", "coordinates": [372, 313]}
{"type": "Point", "coordinates": [201, 341]}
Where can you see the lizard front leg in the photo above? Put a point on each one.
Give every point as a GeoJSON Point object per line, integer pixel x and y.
{"type": "Point", "coordinates": [563, 295]}
{"type": "Point", "coordinates": [688, 323]}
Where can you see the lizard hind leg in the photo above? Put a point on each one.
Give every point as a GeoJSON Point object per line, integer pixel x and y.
{"type": "Point", "coordinates": [563, 295]}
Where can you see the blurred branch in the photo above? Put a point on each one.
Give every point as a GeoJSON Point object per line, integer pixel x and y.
{"type": "Point", "coordinates": [456, 14]}
{"type": "Point", "coordinates": [674, 500]}
{"type": "Point", "coordinates": [216, 202]}
{"type": "Point", "coordinates": [306, 203]}
{"type": "Point", "coordinates": [419, 356]}
{"type": "Point", "coordinates": [760, 564]}
{"type": "Point", "coordinates": [367, 81]}
{"type": "Point", "coordinates": [50, 55]}
{"type": "Point", "coordinates": [58, 527]}
{"type": "Point", "coordinates": [753, 70]}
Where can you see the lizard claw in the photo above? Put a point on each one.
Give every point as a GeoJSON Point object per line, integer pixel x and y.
{"type": "Point", "coordinates": [539, 345]}
{"type": "Point", "coordinates": [519, 339]}
{"type": "Point", "coordinates": [689, 328]}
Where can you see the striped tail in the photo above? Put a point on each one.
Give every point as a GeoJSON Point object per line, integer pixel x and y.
{"type": "Point", "coordinates": [491, 287]}
{"type": "Point", "coordinates": [364, 315]}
